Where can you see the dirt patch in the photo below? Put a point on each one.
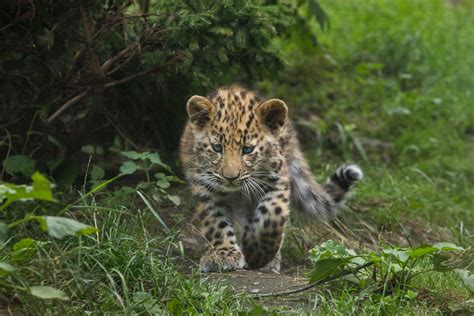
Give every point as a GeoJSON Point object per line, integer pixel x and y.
{"type": "Point", "coordinates": [258, 282]}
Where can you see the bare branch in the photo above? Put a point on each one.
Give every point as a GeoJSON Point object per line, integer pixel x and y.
{"type": "Point", "coordinates": [66, 105]}
{"type": "Point", "coordinates": [142, 73]}
{"type": "Point", "coordinates": [115, 83]}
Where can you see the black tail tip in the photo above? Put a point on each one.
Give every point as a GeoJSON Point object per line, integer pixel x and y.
{"type": "Point", "coordinates": [349, 174]}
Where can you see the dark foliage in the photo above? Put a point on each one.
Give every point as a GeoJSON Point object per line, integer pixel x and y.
{"type": "Point", "coordinates": [81, 72]}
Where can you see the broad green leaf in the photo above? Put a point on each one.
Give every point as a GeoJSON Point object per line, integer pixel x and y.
{"type": "Point", "coordinates": [3, 232]}
{"type": "Point", "coordinates": [132, 155]}
{"type": "Point", "coordinates": [60, 227]}
{"type": "Point", "coordinates": [47, 293]}
{"type": "Point", "coordinates": [164, 184]}
{"type": "Point", "coordinates": [467, 279]}
{"type": "Point", "coordinates": [128, 167]}
{"type": "Point", "coordinates": [421, 251]}
{"type": "Point", "coordinates": [97, 173]}
{"type": "Point", "coordinates": [426, 250]}
{"type": "Point", "coordinates": [93, 149]}
{"type": "Point", "coordinates": [153, 157]}
{"type": "Point", "coordinates": [6, 268]}
{"type": "Point", "coordinates": [401, 255]}
{"type": "Point", "coordinates": [19, 164]}
{"type": "Point", "coordinates": [40, 190]}
{"type": "Point", "coordinates": [175, 199]}
{"type": "Point", "coordinates": [447, 246]}
{"type": "Point", "coordinates": [326, 268]}
{"type": "Point", "coordinates": [41, 187]}
{"type": "Point", "coordinates": [23, 250]}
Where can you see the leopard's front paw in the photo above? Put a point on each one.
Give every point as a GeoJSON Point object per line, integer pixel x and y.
{"type": "Point", "coordinates": [222, 260]}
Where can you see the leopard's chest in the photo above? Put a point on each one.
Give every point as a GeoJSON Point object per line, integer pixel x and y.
{"type": "Point", "coordinates": [242, 211]}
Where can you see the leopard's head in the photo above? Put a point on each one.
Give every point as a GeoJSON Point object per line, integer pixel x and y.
{"type": "Point", "coordinates": [236, 142]}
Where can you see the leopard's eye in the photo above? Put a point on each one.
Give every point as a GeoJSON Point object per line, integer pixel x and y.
{"type": "Point", "coordinates": [247, 149]}
{"type": "Point", "coordinates": [217, 148]}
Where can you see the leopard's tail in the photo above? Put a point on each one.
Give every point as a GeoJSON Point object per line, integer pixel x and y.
{"type": "Point", "coordinates": [320, 201]}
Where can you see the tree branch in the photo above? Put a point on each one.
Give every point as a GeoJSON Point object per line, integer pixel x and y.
{"type": "Point", "coordinates": [115, 83]}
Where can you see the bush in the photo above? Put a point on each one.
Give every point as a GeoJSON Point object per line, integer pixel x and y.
{"type": "Point", "coordinates": [128, 65]}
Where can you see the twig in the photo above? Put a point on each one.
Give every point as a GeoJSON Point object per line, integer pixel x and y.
{"type": "Point", "coordinates": [24, 17]}
{"type": "Point", "coordinates": [113, 20]}
{"type": "Point", "coordinates": [142, 73]}
{"type": "Point", "coordinates": [108, 63]}
{"type": "Point", "coordinates": [66, 105]}
{"type": "Point", "coordinates": [115, 83]}
{"type": "Point", "coordinates": [307, 287]}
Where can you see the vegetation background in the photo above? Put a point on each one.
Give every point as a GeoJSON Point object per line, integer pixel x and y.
{"type": "Point", "coordinates": [92, 95]}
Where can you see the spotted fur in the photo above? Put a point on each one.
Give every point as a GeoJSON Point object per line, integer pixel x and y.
{"type": "Point", "coordinates": [242, 159]}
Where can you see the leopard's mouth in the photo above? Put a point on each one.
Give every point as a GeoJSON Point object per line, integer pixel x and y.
{"type": "Point", "coordinates": [231, 187]}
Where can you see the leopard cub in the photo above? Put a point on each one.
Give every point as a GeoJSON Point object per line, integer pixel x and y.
{"type": "Point", "coordinates": [243, 161]}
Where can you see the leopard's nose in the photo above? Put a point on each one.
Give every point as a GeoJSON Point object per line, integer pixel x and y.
{"type": "Point", "coordinates": [231, 177]}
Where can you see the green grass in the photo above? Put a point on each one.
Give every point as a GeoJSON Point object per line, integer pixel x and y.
{"type": "Point", "coordinates": [392, 89]}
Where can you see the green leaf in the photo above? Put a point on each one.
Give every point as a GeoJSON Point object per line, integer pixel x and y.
{"type": "Point", "coordinates": [421, 251]}
{"type": "Point", "coordinates": [330, 249]}
{"type": "Point", "coordinates": [153, 157]}
{"type": "Point", "coordinates": [40, 190]}
{"type": "Point", "coordinates": [3, 232]}
{"type": "Point", "coordinates": [128, 167]}
{"type": "Point", "coordinates": [175, 199]}
{"type": "Point", "coordinates": [60, 227]}
{"type": "Point", "coordinates": [401, 255]}
{"type": "Point", "coordinates": [132, 155]}
{"type": "Point", "coordinates": [467, 279]}
{"type": "Point", "coordinates": [92, 149]}
{"type": "Point", "coordinates": [6, 268]}
{"type": "Point", "coordinates": [23, 250]}
{"type": "Point", "coordinates": [19, 164]}
{"type": "Point", "coordinates": [97, 173]}
{"type": "Point", "coordinates": [326, 268]}
{"type": "Point", "coordinates": [447, 246]}
{"type": "Point", "coordinates": [47, 293]}
{"type": "Point", "coordinates": [164, 184]}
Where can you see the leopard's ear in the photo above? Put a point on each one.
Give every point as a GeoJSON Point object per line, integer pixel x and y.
{"type": "Point", "coordinates": [273, 113]}
{"type": "Point", "coordinates": [199, 110]}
